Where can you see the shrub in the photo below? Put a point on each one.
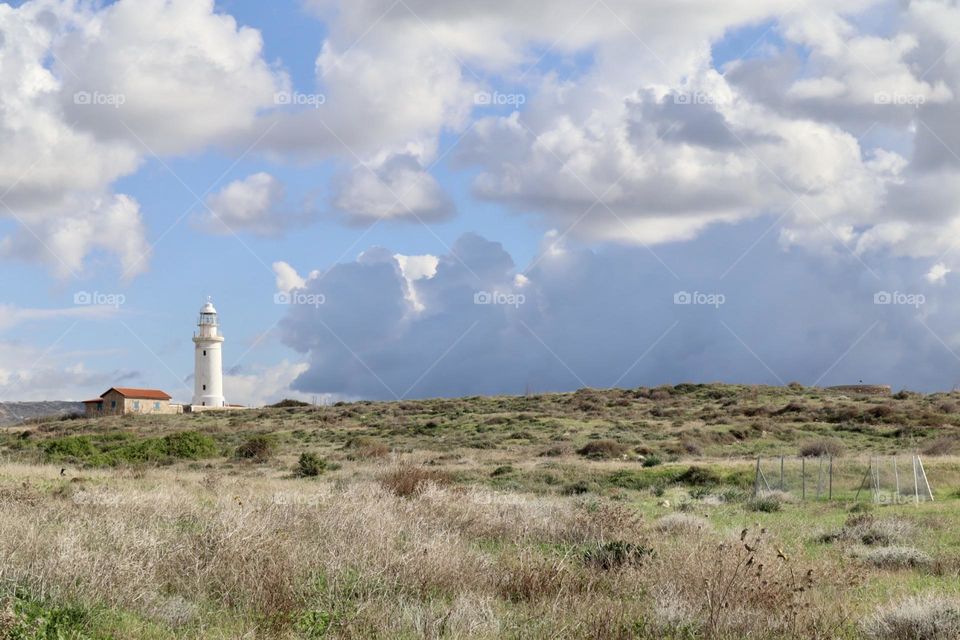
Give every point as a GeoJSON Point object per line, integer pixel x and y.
{"type": "Point", "coordinates": [70, 448]}
{"type": "Point", "coordinates": [928, 617]}
{"type": "Point", "coordinates": [821, 447]}
{"type": "Point", "coordinates": [681, 523]}
{"type": "Point", "coordinates": [578, 488]}
{"type": "Point", "coordinates": [699, 477]}
{"type": "Point", "coordinates": [878, 531]}
{"type": "Point", "coordinates": [615, 554]}
{"type": "Point", "coordinates": [310, 465]}
{"type": "Point", "coordinates": [189, 445]}
{"type": "Point", "coordinates": [600, 449]}
{"type": "Point", "coordinates": [363, 448]}
{"type": "Point", "coordinates": [893, 557]}
{"type": "Point", "coordinates": [287, 403]}
{"type": "Point", "coordinates": [652, 461]}
{"type": "Point", "coordinates": [408, 480]}
{"type": "Point", "coordinates": [764, 504]}
{"type": "Point", "coordinates": [555, 451]}
{"type": "Point", "coordinates": [942, 446]}
{"type": "Point", "coordinates": [256, 449]}
{"type": "Point", "coordinates": [502, 470]}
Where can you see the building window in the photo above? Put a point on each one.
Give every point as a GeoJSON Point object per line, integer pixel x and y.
{"type": "Point", "coordinates": [113, 404]}
{"type": "Point", "coordinates": [203, 404]}
{"type": "Point", "coordinates": [136, 405]}
{"type": "Point", "coordinates": [156, 406]}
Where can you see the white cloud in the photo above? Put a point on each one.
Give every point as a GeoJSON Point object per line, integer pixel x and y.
{"type": "Point", "coordinates": [938, 273]}
{"type": "Point", "coordinates": [265, 385]}
{"type": "Point", "coordinates": [288, 279]}
{"type": "Point", "coordinates": [397, 188]}
{"type": "Point", "coordinates": [89, 91]}
{"type": "Point", "coordinates": [255, 204]}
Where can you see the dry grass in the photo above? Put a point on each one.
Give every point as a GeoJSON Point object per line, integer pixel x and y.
{"type": "Point", "coordinates": [927, 617]}
{"type": "Point", "coordinates": [405, 556]}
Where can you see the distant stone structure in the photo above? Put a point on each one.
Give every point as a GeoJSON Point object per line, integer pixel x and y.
{"type": "Point", "coordinates": [863, 389]}
{"type": "Point", "coordinates": [118, 401]}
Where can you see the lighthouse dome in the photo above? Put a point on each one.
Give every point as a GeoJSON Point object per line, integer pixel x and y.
{"type": "Point", "coordinates": [208, 308]}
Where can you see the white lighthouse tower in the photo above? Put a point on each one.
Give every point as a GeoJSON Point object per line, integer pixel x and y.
{"type": "Point", "coordinates": [208, 360]}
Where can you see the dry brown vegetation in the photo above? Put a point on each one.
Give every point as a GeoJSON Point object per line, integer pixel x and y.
{"type": "Point", "coordinates": [598, 514]}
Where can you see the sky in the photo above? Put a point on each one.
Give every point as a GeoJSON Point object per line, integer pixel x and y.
{"type": "Point", "coordinates": [393, 199]}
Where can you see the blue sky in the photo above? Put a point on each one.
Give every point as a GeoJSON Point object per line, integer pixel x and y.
{"type": "Point", "coordinates": [738, 154]}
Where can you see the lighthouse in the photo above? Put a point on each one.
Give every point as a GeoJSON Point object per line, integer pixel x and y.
{"type": "Point", "coordinates": [208, 360]}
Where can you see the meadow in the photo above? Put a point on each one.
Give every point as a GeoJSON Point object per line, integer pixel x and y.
{"type": "Point", "coordinates": [625, 513]}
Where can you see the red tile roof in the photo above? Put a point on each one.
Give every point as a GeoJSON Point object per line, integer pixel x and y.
{"type": "Point", "coordinates": [144, 394]}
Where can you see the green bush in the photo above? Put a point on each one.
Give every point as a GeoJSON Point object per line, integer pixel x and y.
{"type": "Point", "coordinates": [189, 445]}
{"type": "Point", "coordinates": [114, 449]}
{"type": "Point", "coordinates": [652, 461]}
{"type": "Point", "coordinates": [78, 448]}
{"type": "Point", "coordinates": [310, 465]}
{"type": "Point", "coordinates": [764, 504]}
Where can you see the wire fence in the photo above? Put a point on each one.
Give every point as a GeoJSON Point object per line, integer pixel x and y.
{"type": "Point", "coordinates": [881, 479]}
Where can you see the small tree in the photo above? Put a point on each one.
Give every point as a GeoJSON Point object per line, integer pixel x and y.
{"type": "Point", "coordinates": [310, 465]}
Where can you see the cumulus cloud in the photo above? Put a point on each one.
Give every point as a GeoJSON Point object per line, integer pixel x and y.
{"type": "Point", "coordinates": [397, 188]}
{"type": "Point", "coordinates": [89, 91]}
{"type": "Point", "coordinates": [259, 386]}
{"type": "Point", "coordinates": [255, 204]}
{"type": "Point", "coordinates": [585, 318]}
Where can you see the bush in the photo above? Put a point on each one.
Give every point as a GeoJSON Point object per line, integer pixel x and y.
{"type": "Point", "coordinates": [821, 447]}
{"type": "Point", "coordinates": [699, 477]}
{"type": "Point", "coordinates": [189, 445]}
{"type": "Point", "coordinates": [363, 448]}
{"type": "Point", "coordinates": [942, 446]}
{"type": "Point", "coordinates": [681, 523]}
{"type": "Point", "coordinates": [70, 448]}
{"type": "Point", "coordinates": [256, 449]}
{"type": "Point", "coordinates": [287, 403]}
{"type": "Point", "coordinates": [928, 617]}
{"type": "Point", "coordinates": [601, 449]}
{"type": "Point", "coordinates": [652, 461]}
{"type": "Point", "coordinates": [408, 480]}
{"type": "Point", "coordinates": [502, 470]}
{"type": "Point", "coordinates": [615, 554]}
{"type": "Point", "coordinates": [877, 531]}
{"type": "Point", "coordinates": [310, 465]}
{"type": "Point", "coordinates": [764, 504]}
{"type": "Point", "coordinates": [893, 557]}
{"type": "Point", "coordinates": [578, 488]}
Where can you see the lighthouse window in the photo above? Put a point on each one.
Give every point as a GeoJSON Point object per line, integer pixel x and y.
{"type": "Point", "coordinates": [204, 352]}
{"type": "Point", "coordinates": [204, 387]}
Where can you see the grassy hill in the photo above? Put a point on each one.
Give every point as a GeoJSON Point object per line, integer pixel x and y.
{"type": "Point", "coordinates": [600, 513]}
